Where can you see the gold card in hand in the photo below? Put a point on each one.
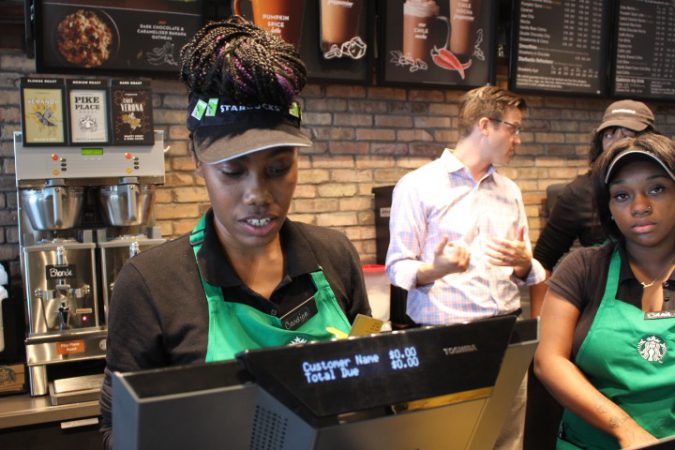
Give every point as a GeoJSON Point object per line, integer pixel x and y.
{"type": "Point", "coordinates": [365, 325]}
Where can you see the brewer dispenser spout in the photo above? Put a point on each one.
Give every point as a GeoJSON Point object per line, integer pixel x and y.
{"type": "Point", "coordinates": [64, 312]}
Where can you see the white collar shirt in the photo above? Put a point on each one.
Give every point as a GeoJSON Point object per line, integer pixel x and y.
{"type": "Point", "coordinates": [440, 199]}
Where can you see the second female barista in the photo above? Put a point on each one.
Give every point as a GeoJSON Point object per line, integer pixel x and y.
{"type": "Point", "coordinates": [247, 276]}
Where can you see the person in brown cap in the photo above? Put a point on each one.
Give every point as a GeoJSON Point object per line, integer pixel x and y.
{"type": "Point", "coordinates": [572, 218]}
{"type": "Point", "coordinates": [572, 215]}
{"type": "Point", "coordinates": [625, 118]}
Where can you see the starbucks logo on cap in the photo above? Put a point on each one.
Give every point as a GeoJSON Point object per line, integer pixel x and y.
{"type": "Point", "coordinates": [652, 348]}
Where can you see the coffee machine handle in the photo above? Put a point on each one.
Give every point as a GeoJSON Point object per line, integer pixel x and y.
{"type": "Point", "coordinates": [131, 201]}
{"type": "Point", "coordinates": [58, 206]}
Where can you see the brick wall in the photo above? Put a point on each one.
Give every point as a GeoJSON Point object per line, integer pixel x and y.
{"type": "Point", "coordinates": [363, 137]}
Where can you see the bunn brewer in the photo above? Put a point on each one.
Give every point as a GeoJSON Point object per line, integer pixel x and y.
{"type": "Point", "coordinates": [60, 219]}
{"type": "Point", "coordinates": [128, 214]}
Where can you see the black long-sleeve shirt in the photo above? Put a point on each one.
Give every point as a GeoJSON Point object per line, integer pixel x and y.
{"type": "Point", "coordinates": [572, 218]}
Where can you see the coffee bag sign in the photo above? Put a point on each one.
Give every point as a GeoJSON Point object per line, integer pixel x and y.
{"type": "Point", "coordinates": [88, 107]}
{"type": "Point", "coordinates": [43, 115]}
{"type": "Point", "coordinates": [131, 112]}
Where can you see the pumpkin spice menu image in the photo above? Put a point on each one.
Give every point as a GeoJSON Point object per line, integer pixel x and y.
{"type": "Point", "coordinates": [443, 42]}
{"type": "Point", "coordinates": [107, 35]}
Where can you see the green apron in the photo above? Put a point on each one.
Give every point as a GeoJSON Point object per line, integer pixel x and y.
{"type": "Point", "coordinates": [632, 362]}
{"type": "Point", "coordinates": [234, 327]}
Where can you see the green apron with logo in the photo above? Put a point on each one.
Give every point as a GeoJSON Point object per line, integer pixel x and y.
{"type": "Point", "coordinates": [632, 362]}
{"type": "Point", "coordinates": [234, 327]}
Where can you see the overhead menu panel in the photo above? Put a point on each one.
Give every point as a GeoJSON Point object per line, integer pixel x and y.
{"type": "Point", "coordinates": [644, 63]}
{"type": "Point", "coordinates": [560, 46]}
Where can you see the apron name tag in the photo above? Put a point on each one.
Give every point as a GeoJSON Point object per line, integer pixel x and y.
{"type": "Point", "coordinates": [655, 315]}
{"type": "Point", "coordinates": [299, 315]}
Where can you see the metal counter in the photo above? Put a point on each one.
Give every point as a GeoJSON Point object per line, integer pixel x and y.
{"type": "Point", "coordinates": [21, 410]}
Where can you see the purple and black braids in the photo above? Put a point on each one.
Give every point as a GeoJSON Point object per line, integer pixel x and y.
{"type": "Point", "coordinates": [239, 61]}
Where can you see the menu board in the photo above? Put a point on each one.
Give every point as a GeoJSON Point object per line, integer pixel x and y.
{"type": "Point", "coordinates": [106, 36]}
{"type": "Point", "coordinates": [333, 37]}
{"type": "Point", "coordinates": [644, 64]}
{"type": "Point", "coordinates": [438, 42]}
{"type": "Point", "coordinates": [560, 46]}
{"type": "Point", "coordinates": [43, 114]}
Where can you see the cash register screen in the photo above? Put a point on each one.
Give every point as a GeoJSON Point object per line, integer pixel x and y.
{"type": "Point", "coordinates": [329, 378]}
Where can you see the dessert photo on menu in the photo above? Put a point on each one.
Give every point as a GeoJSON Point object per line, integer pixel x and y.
{"type": "Point", "coordinates": [102, 35]}
{"type": "Point", "coordinates": [442, 42]}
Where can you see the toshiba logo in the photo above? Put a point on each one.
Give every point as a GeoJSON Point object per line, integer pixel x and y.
{"type": "Point", "coordinates": [460, 349]}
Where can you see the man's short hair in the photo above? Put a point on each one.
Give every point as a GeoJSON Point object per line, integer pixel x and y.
{"type": "Point", "coordinates": [486, 101]}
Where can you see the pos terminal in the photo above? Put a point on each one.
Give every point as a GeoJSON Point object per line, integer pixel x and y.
{"type": "Point", "coordinates": [442, 387]}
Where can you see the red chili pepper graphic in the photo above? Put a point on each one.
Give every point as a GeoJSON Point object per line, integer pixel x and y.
{"type": "Point", "coordinates": [445, 59]}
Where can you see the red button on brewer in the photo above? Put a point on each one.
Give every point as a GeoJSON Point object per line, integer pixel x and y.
{"type": "Point", "coordinates": [128, 155]}
{"type": "Point", "coordinates": [55, 157]}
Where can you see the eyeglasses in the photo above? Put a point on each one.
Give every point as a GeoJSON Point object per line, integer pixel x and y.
{"type": "Point", "coordinates": [515, 129]}
{"type": "Point", "coordinates": [612, 133]}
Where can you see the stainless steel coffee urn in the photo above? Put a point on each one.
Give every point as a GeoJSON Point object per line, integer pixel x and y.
{"type": "Point", "coordinates": [83, 212]}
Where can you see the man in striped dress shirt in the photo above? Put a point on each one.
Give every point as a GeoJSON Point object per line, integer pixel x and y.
{"type": "Point", "coordinates": [459, 237]}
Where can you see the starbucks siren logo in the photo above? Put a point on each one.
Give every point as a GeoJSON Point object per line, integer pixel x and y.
{"type": "Point", "coordinates": [652, 348]}
{"type": "Point", "coordinates": [298, 340]}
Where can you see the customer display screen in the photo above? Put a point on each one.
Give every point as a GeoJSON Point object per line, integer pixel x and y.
{"type": "Point", "coordinates": [329, 378]}
{"type": "Point", "coordinates": [360, 365]}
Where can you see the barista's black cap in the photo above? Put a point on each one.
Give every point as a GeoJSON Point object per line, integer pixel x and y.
{"type": "Point", "coordinates": [635, 153]}
{"type": "Point", "coordinates": [222, 131]}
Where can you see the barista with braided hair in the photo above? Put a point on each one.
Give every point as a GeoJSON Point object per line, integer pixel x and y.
{"type": "Point", "coordinates": [247, 276]}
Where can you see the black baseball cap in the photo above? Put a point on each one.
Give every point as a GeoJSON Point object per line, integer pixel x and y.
{"type": "Point", "coordinates": [636, 153]}
{"type": "Point", "coordinates": [222, 131]}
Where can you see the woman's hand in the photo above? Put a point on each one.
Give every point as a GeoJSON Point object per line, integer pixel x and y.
{"type": "Point", "coordinates": [630, 434]}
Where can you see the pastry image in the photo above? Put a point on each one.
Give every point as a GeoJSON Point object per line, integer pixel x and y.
{"type": "Point", "coordinates": [84, 39]}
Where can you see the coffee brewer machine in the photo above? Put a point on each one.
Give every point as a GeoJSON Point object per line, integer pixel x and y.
{"type": "Point", "coordinates": [82, 212]}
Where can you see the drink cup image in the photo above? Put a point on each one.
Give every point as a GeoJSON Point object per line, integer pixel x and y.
{"type": "Point", "coordinates": [418, 16]}
{"type": "Point", "coordinates": [340, 29]}
{"type": "Point", "coordinates": [281, 17]}
{"type": "Point", "coordinates": [464, 16]}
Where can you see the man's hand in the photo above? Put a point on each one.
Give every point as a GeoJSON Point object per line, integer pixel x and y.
{"type": "Point", "coordinates": [449, 257]}
{"type": "Point", "coordinates": [510, 253]}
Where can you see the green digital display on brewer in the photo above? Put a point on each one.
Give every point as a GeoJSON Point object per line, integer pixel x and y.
{"type": "Point", "coordinates": [92, 152]}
